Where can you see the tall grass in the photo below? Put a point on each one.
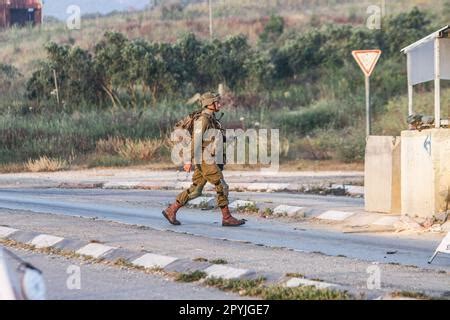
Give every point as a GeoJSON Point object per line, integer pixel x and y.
{"type": "Point", "coordinates": [44, 164]}
{"type": "Point", "coordinates": [125, 136]}
{"type": "Point", "coordinates": [61, 134]}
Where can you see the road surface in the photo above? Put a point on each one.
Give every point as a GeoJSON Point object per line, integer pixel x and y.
{"type": "Point", "coordinates": [118, 217]}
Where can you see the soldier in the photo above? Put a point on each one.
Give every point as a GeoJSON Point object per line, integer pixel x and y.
{"type": "Point", "coordinates": [205, 171]}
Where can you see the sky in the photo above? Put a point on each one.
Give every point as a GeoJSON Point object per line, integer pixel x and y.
{"type": "Point", "coordinates": [58, 8]}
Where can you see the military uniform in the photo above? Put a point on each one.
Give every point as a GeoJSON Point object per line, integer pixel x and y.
{"type": "Point", "coordinates": [206, 170]}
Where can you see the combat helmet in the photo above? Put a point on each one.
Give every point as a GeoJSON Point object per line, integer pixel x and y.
{"type": "Point", "coordinates": [209, 98]}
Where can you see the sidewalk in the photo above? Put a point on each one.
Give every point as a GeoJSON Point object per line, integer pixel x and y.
{"type": "Point", "coordinates": [171, 180]}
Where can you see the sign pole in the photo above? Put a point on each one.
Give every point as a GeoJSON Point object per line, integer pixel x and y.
{"type": "Point", "coordinates": [368, 122]}
{"type": "Point", "coordinates": [367, 60]}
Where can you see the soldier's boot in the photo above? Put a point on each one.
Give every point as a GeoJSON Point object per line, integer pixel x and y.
{"type": "Point", "coordinates": [228, 220]}
{"type": "Point", "coordinates": [171, 213]}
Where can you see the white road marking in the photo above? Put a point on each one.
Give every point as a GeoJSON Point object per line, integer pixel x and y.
{"type": "Point", "coordinates": [224, 272]}
{"type": "Point", "coordinates": [240, 204]}
{"type": "Point", "coordinates": [202, 201]}
{"type": "Point", "coordinates": [45, 241]}
{"type": "Point", "coordinates": [296, 282]}
{"type": "Point", "coordinates": [95, 250]}
{"type": "Point", "coordinates": [289, 210]}
{"type": "Point", "coordinates": [150, 260]}
{"type": "Point", "coordinates": [6, 232]}
{"type": "Point", "coordinates": [335, 215]}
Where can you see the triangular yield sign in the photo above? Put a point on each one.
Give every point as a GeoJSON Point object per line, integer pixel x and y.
{"type": "Point", "coordinates": [367, 60]}
{"type": "Point", "coordinates": [444, 247]}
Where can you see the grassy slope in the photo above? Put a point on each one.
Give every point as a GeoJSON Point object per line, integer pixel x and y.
{"type": "Point", "coordinates": [22, 47]}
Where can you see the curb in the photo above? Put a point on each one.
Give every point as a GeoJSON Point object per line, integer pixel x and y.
{"type": "Point", "coordinates": [341, 190]}
{"type": "Point", "coordinates": [152, 260]}
{"type": "Point", "coordinates": [290, 211]}
{"type": "Point", "coordinates": [325, 216]}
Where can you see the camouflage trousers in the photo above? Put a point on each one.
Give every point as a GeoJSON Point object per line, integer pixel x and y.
{"type": "Point", "coordinates": [206, 173]}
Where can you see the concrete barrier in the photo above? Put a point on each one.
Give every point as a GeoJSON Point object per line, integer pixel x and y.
{"type": "Point", "coordinates": [425, 172]}
{"type": "Point", "coordinates": [382, 180]}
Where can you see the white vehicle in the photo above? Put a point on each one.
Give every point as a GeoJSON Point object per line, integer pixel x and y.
{"type": "Point", "coordinates": [19, 280]}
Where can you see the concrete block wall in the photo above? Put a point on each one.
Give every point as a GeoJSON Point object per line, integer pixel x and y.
{"type": "Point", "coordinates": [425, 161]}
{"type": "Point", "coordinates": [382, 182]}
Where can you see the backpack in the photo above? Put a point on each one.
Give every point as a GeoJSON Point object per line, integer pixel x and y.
{"type": "Point", "coordinates": [187, 123]}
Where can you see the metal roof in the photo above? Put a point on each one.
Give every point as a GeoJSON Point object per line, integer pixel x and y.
{"type": "Point", "coordinates": [434, 35]}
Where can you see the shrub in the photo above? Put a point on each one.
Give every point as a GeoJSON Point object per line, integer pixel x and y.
{"type": "Point", "coordinates": [305, 120]}
{"type": "Point", "coordinates": [272, 30]}
{"type": "Point", "coordinates": [351, 146]}
{"type": "Point", "coordinates": [107, 161]}
{"type": "Point", "coordinates": [8, 74]}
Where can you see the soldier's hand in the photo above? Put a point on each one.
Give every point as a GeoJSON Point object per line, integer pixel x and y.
{"type": "Point", "coordinates": [187, 167]}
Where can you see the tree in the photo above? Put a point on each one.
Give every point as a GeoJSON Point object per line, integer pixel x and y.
{"type": "Point", "coordinates": [111, 62]}
{"type": "Point", "coordinates": [78, 81]}
{"type": "Point", "coordinates": [404, 29]}
{"type": "Point", "coordinates": [272, 30]}
{"type": "Point", "coordinates": [224, 62]}
{"type": "Point", "coordinates": [446, 10]}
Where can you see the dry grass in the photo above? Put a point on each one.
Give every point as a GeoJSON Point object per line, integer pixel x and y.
{"type": "Point", "coordinates": [129, 149]}
{"type": "Point", "coordinates": [140, 149]}
{"type": "Point", "coordinates": [45, 164]}
{"type": "Point", "coordinates": [410, 295]}
{"type": "Point", "coordinates": [12, 167]}
{"type": "Point", "coordinates": [111, 145]}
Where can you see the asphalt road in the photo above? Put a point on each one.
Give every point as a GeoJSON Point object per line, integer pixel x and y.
{"type": "Point", "coordinates": [69, 279]}
{"type": "Point", "coordinates": [144, 208]}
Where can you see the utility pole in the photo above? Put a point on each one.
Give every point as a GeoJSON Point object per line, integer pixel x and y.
{"type": "Point", "coordinates": [56, 86]}
{"type": "Point", "coordinates": [210, 20]}
{"type": "Point", "coordinates": [42, 13]}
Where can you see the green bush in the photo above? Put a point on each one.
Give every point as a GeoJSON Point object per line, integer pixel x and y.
{"type": "Point", "coordinates": [302, 121]}
{"type": "Point", "coordinates": [272, 30]}
{"type": "Point", "coordinates": [351, 146]}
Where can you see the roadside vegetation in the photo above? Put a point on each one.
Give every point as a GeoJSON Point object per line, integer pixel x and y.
{"type": "Point", "coordinates": [121, 87]}
{"type": "Point", "coordinates": [256, 288]}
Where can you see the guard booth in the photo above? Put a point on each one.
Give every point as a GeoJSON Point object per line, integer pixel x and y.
{"type": "Point", "coordinates": [411, 175]}
{"type": "Point", "coordinates": [20, 12]}
{"type": "Point", "coordinates": [425, 158]}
